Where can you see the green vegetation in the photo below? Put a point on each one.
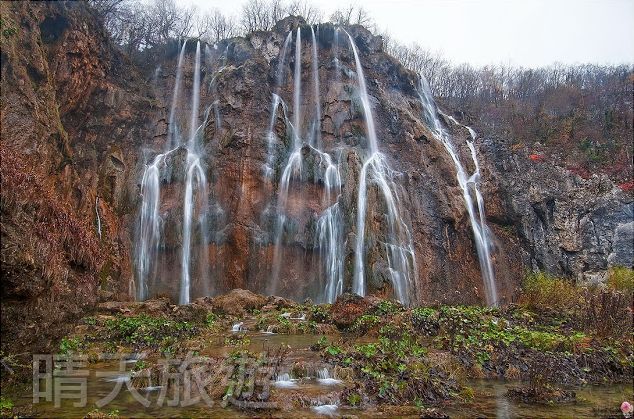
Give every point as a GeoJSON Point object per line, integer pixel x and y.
{"type": "Point", "coordinates": [407, 357]}
{"type": "Point", "coordinates": [211, 319]}
{"type": "Point", "coordinates": [8, 30]}
{"type": "Point", "coordinates": [364, 323]}
{"type": "Point", "coordinates": [621, 278]}
{"type": "Point", "coordinates": [542, 291]}
{"type": "Point", "coordinates": [6, 407]}
{"type": "Point", "coordinates": [320, 313]}
{"type": "Point", "coordinates": [143, 331]}
{"type": "Point", "coordinates": [70, 345]}
{"type": "Point", "coordinates": [394, 370]}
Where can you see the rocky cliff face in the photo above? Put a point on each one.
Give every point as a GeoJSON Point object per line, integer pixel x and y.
{"type": "Point", "coordinates": [566, 225]}
{"type": "Point", "coordinates": [74, 112]}
{"type": "Point", "coordinates": [79, 118]}
{"type": "Point", "coordinates": [243, 245]}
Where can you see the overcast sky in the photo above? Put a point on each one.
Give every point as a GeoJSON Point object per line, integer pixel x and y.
{"type": "Point", "coordinates": [519, 32]}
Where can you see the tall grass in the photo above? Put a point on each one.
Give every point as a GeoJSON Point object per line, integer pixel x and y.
{"type": "Point", "coordinates": [603, 310]}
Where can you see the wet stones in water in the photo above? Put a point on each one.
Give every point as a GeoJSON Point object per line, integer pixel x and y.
{"type": "Point", "coordinates": [542, 395]}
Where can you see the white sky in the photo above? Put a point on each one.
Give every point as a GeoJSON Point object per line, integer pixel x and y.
{"type": "Point", "coordinates": [519, 32]}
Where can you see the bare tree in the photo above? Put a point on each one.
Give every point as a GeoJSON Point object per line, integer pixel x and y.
{"type": "Point", "coordinates": [214, 26]}
{"type": "Point", "coordinates": [352, 15]}
{"type": "Point", "coordinates": [309, 13]}
{"type": "Point", "coordinates": [257, 15]}
{"type": "Point", "coordinates": [169, 21]}
{"type": "Point", "coordinates": [106, 8]}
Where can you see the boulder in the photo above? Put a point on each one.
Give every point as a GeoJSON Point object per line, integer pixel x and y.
{"type": "Point", "coordinates": [237, 302]}
{"type": "Point", "coordinates": [349, 307]}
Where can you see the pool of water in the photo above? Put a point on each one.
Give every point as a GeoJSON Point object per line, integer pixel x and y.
{"type": "Point", "coordinates": [490, 401]}
{"type": "Point", "coordinates": [318, 397]}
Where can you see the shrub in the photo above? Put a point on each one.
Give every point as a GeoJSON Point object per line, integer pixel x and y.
{"type": "Point", "coordinates": [621, 278]}
{"type": "Point", "coordinates": [607, 312]}
{"type": "Point", "coordinates": [543, 291]}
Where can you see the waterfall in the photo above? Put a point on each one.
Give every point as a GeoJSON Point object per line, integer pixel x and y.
{"type": "Point", "coordinates": [468, 185]}
{"type": "Point", "coordinates": [98, 218]}
{"type": "Point", "coordinates": [214, 90]}
{"type": "Point", "coordinates": [400, 250]}
{"type": "Point", "coordinates": [365, 99]}
{"type": "Point", "coordinates": [324, 378]}
{"type": "Point", "coordinates": [297, 92]}
{"type": "Point", "coordinates": [284, 380]}
{"type": "Point", "coordinates": [195, 199]}
{"type": "Point", "coordinates": [293, 165]}
{"type": "Point", "coordinates": [172, 135]}
{"type": "Point", "coordinates": [195, 182]}
{"type": "Point", "coordinates": [329, 237]}
{"type": "Point", "coordinates": [195, 195]}
{"type": "Point", "coordinates": [316, 131]}
{"type": "Point", "coordinates": [149, 225]}
{"type": "Point", "coordinates": [275, 101]}
{"type": "Point", "coordinates": [193, 125]}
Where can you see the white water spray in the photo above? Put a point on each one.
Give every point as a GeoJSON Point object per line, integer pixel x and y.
{"type": "Point", "coordinates": [275, 102]}
{"type": "Point", "coordinates": [297, 92]}
{"type": "Point", "coordinates": [149, 226]}
{"type": "Point", "coordinates": [468, 185]}
{"type": "Point", "coordinates": [400, 249]}
{"type": "Point", "coordinates": [316, 129]}
{"type": "Point", "coordinates": [173, 136]}
{"type": "Point", "coordinates": [98, 218]}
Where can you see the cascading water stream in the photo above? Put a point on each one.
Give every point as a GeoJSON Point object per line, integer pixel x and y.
{"type": "Point", "coordinates": [275, 102]}
{"type": "Point", "coordinates": [335, 53]}
{"type": "Point", "coordinates": [293, 166]}
{"type": "Point", "coordinates": [173, 139]}
{"type": "Point", "coordinates": [195, 200]}
{"type": "Point", "coordinates": [468, 185]}
{"type": "Point", "coordinates": [330, 233]}
{"type": "Point", "coordinates": [149, 226]}
{"type": "Point", "coordinates": [365, 99]}
{"type": "Point", "coordinates": [316, 129]}
{"type": "Point", "coordinates": [329, 226]}
{"type": "Point", "coordinates": [400, 250]}
{"type": "Point", "coordinates": [149, 235]}
{"type": "Point", "coordinates": [195, 193]}
{"type": "Point", "coordinates": [297, 92]}
{"type": "Point", "coordinates": [193, 124]}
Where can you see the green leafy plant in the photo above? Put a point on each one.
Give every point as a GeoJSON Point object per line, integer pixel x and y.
{"type": "Point", "coordinates": [6, 406]}
{"type": "Point", "coordinates": [211, 319]}
{"type": "Point", "coordinates": [354, 399]}
{"type": "Point", "coordinates": [69, 345]}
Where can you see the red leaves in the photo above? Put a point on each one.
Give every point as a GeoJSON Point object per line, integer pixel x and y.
{"type": "Point", "coordinates": [627, 186]}
{"type": "Point", "coordinates": [537, 157]}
